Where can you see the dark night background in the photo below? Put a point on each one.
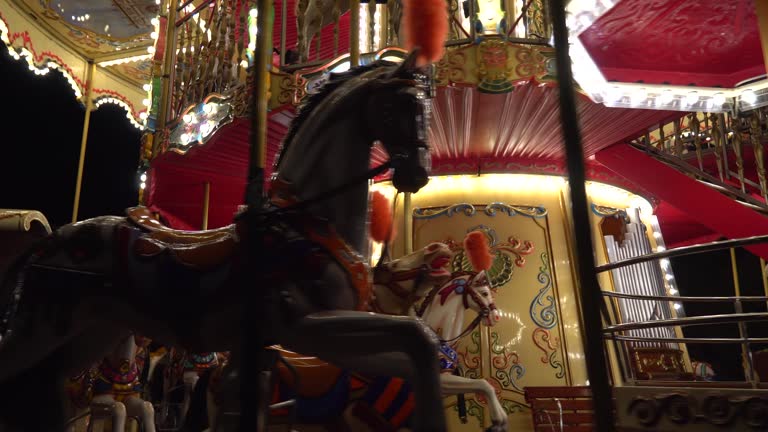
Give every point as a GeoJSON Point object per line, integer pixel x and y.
{"type": "Point", "coordinates": [42, 128]}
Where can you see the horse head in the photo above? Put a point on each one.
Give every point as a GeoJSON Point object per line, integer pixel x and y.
{"type": "Point", "coordinates": [411, 277]}
{"type": "Point", "coordinates": [479, 297]}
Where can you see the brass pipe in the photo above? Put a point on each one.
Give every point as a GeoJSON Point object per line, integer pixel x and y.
{"type": "Point", "coordinates": [354, 33]}
{"type": "Point", "coordinates": [259, 100]}
{"type": "Point", "coordinates": [168, 67]}
{"type": "Point", "coordinates": [749, 370]}
{"type": "Point", "coordinates": [84, 140]}
{"type": "Point", "coordinates": [206, 204]}
{"type": "Point", "coordinates": [761, 8]}
{"type": "Point", "coordinates": [283, 30]}
{"type": "Point", "coordinates": [407, 222]}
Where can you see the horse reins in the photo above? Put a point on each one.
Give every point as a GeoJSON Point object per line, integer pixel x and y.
{"type": "Point", "coordinates": [469, 290]}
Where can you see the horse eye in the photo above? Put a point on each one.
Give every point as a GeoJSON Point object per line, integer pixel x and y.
{"type": "Point", "coordinates": [485, 294]}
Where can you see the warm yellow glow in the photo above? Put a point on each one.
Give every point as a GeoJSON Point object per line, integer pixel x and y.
{"type": "Point", "coordinates": [532, 185]}
{"type": "Point", "coordinates": [613, 196]}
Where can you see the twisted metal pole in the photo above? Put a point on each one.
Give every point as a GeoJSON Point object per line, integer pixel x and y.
{"type": "Point", "coordinates": [589, 289]}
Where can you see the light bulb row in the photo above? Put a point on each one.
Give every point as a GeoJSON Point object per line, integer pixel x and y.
{"type": "Point", "coordinates": [126, 107]}
{"type": "Point", "coordinates": [583, 13]}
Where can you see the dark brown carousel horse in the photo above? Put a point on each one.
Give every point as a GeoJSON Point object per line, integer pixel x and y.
{"type": "Point", "coordinates": [295, 260]}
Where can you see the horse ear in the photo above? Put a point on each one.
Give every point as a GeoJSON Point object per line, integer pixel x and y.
{"type": "Point", "coordinates": [409, 65]}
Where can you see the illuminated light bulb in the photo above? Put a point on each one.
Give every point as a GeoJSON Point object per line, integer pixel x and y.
{"type": "Point", "coordinates": [677, 306]}
{"type": "Point", "coordinates": [185, 137]}
{"type": "Point", "coordinates": [665, 262]}
{"type": "Point", "coordinates": [613, 94]}
{"type": "Point", "coordinates": [607, 3]}
{"type": "Point", "coordinates": [253, 13]}
{"type": "Point", "coordinates": [143, 177]}
{"type": "Point", "coordinates": [151, 49]}
{"type": "Point", "coordinates": [666, 97]}
{"type": "Point", "coordinates": [657, 234]}
{"type": "Point", "coordinates": [718, 99]}
{"type": "Point", "coordinates": [749, 96]}
{"type": "Point", "coordinates": [154, 21]}
{"type": "Point", "coordinates": [187, 118]}
{"type": "Point", "coordinates": [208, 108]}
{"type": "Point", "coordinates": [639, 95]}
{"type": "Point", "coordinates": [585, 19]}
{"type": "Point", "coordinates": [660, 248]}
{"type": "Point", "coordinates": [153, 35]}
{"type": "Point", "coordinates": [143, 185]}
{"type": "Point", "coordinates": [244, 63]}
{"type": "Point", "coordinates": [668, 277]}
{"type": "Point", "coordinates": [672, 291]}
{"type": "Point", "coordinates": [691, 98]}
{"type": "Point", "coordinates": [143, 115]}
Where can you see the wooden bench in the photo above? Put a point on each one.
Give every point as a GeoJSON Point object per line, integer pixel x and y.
{"type": "Point", "coordinates": [561, 409]}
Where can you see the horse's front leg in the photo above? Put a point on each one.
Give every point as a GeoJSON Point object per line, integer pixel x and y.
{"type": "Point", "coordinates": [452, 385]}
{"type": "Point", "coordinates": [143, 410]}
{"type": "Point", "coordinates": [378, 345]}
{"type": "Point", "coordinates": [116, 409]}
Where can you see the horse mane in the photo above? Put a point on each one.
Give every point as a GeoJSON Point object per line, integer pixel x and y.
{"type": "Point", "coordinates": [313, 100]}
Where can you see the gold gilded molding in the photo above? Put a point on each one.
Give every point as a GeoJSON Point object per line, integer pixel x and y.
{"type": "Point", "coordinates": [495, 65]}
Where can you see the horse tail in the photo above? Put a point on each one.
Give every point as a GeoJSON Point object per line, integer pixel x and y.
{"type": "Point", "coordinates": [197, 414]}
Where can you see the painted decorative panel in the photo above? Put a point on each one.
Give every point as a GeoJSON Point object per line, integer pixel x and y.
{"type": "Point", "coordinates": [527, 346]}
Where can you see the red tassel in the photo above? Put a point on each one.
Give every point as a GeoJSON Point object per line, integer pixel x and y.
{"type": "Point", "coordinates": [381, 218]}
{"type": "Point", "coordinates": [478, 250]}
{"type": "Point", "coordinates": [426, 27]}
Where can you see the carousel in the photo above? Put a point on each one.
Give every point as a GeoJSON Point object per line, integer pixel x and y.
{"type": "Point", "coordinates": [401, 215]}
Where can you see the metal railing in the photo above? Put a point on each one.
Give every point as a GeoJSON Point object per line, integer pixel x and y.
{"type": "Point", "coordinates": [616, 331]}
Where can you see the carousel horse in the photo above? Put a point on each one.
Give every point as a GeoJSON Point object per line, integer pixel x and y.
{"type": "Point", "coordinates": [118, 379]}
{"type": "Point", "coordinates": [292, 263]}
{"type": "Point", "coordinates": [326, 392]}
{"type": "Point", "coordinates": [82, 413]}
{"type": "Point", "coordinates": [398, 284]}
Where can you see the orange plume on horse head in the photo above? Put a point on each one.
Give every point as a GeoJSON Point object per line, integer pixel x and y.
{"type": "Point", "coordinates": [425, 23]}
{"type": "Point", "coordinates": [478, 250]}
{"type": "Point", "coordinates": [381, 228]}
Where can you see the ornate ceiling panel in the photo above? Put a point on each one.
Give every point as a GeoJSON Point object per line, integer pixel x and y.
{"type": "Point", "coordinates": [96, 26]}
{"type": "Point", "coordinates": [708, 43]}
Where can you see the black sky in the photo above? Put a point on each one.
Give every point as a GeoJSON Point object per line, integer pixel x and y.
{"type": "Point", "coordinates": [39, 149]}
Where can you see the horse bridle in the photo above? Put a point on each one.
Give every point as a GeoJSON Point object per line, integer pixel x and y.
{"type": "Point", "coordinates": [469, 292]}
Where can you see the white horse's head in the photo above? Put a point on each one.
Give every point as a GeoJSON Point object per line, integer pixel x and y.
{"type": "Point", "coordinates": [479, 297]}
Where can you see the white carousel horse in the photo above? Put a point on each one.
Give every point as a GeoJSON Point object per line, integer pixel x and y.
{"type": "Point", "coordinates": [443, 311]}
{"type": "Point", "coordinates": [118, 380]}
{"type": "Point", "coordinates": [293, 264]}
{"type": "Point", "coordinates": [85, 415]}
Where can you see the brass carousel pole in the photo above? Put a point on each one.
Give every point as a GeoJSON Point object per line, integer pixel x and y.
{"type": "Point", "coordinates": [206, 204]}
{"type": "Point", "coordinates": [593, 308]}
{"type": "Point", "coordinates": [84, 140]}
{"type": "Point", "coordinates": [255, 379]}
{"type": "Point", "coordinates": [354, 33]}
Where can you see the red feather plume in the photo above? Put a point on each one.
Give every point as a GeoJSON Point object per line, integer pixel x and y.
{"type": "Point", "coordinates": [381, 218]}
{"type": "Point", "coordinates": [478, 250]}
{"type": "Point", "coordinates": [425, 24]}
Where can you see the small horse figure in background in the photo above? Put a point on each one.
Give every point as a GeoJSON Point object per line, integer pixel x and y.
{"type": "Point", "coordinates": [118, 379]}
{"type": "Point", "coordinates": [311, 17]}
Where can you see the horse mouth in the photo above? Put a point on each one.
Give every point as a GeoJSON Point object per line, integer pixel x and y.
{"type": "Point", "coordinates": [439, 266]}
